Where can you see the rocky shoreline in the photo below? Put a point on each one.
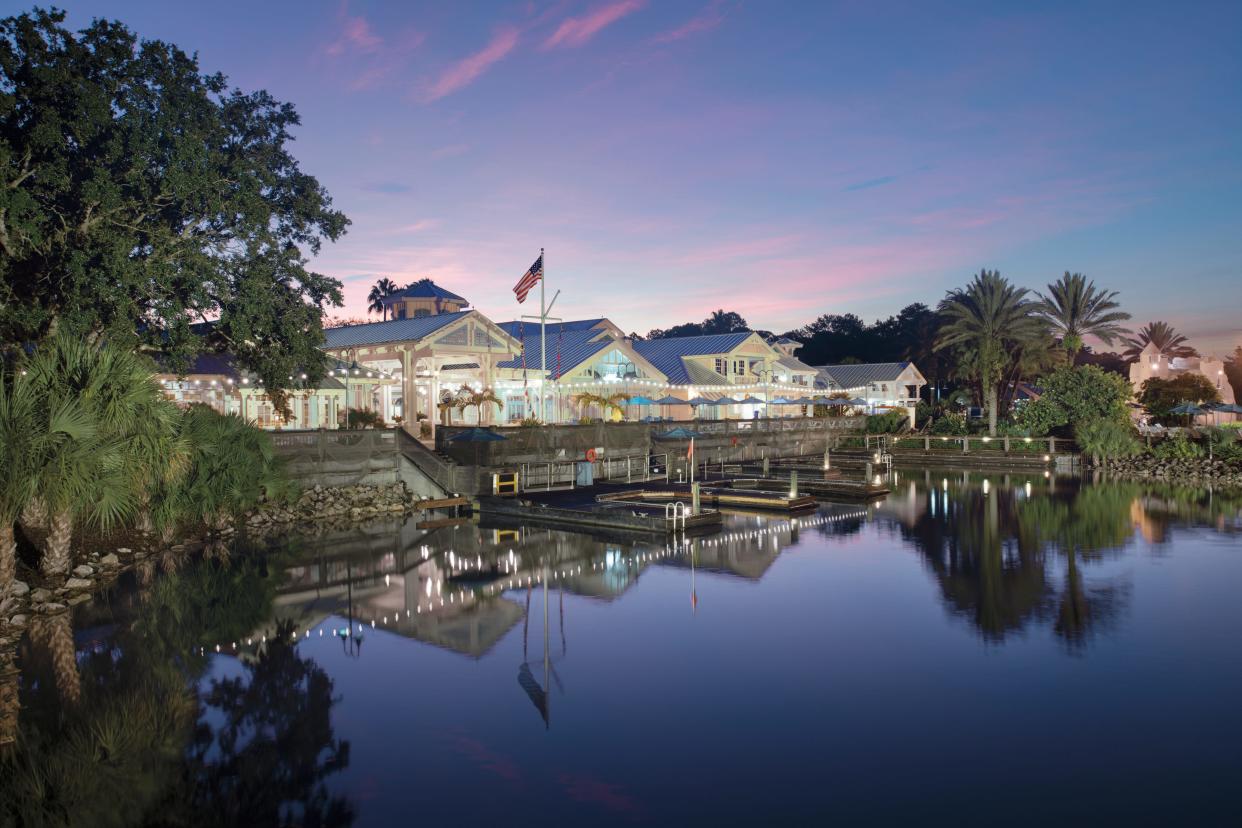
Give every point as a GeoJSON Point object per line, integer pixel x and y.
{"type": "Point", "coordinates": [340, 506]}
{"type": "Point", "coordinates": [1198, 471]}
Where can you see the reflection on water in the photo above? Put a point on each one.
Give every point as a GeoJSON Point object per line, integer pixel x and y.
{"type": "Point", "coordinates": [262, 686]}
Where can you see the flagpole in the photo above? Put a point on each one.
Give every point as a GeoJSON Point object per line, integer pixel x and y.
{"type": "Point", "coordinates": [543, 338]}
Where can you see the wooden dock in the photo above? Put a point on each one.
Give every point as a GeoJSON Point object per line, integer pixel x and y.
{"type": "Point", "coordinates": [722, 497]}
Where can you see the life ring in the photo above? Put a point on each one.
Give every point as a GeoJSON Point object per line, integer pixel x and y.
{"type": "Point", "coordinates": [733, 440]}
{"type": "Point", "coordinates": [590, 455]}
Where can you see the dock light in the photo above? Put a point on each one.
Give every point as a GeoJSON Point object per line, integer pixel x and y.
{"type": "Point", "coordinates": [1047, 474]}
{"type": "Point", "coordinates": [303, 376]}
{"type": "Point", "coordinates": [987, 439]}
{"type": "Point", "coordinates": [1026, 439]}
{"type": "Point", "coordinates": [1047, 458]}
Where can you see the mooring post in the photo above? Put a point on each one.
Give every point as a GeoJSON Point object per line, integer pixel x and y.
{"type": "Point", "coordinates": [766, 466]}
{"type": "Point", "coordinates": [827, 460]}
{"type": "Point", "coordinates": [867, 474]}
{"type": "Point", "coordinates": [926, 443]}
{"type": "Point", "coordinates": [1052, 445]}
{"type": "Point", "coordinates": [793, 483]}
{"type": "Point", "coordinates": [694, 498]}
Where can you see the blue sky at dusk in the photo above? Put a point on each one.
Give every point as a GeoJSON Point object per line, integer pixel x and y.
{"type": "Point", "coordinates": [781, 159]}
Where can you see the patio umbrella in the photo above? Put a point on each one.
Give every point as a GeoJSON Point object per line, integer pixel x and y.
{"type": "Point", "coordinates": [726, 401]}
{"type": "Point", "coordinates": [836, 402]}
{"type": "Point", "coordinates": [858, 401]}
{"type": "Point", "coordinates": [702, 401]}
{"type": "Point", "coordinates": [478, 436]}
{"type": "Point", "coordinates": [679, 433]}
{"type": "Point", "coordinates": [779, 401]}
{"type": "Point", "coordinates": [751, 401]}
{"type": "Point", "coordinates": [670, 400]}
{"type": "Point", "coordinates": [641, 400]}
{"type": "Point", "coordinates": [1189, 409]}
{"type": "Point", "coordinates": [803, 401]}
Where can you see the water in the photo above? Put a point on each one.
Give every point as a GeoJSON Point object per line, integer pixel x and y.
{"type": "Point", "coordinates": [973, 650]}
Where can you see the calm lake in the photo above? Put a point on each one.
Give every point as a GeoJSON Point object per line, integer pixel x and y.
{"type": "Point", "coordinates": [981, 649]}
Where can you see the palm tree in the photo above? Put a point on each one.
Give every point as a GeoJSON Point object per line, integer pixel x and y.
{"type": "Point", "coordinates": [468, 398]}
{"type": "Point", "coordinates": [1076, 308]}
{"type": "Point", "coordinates": [605, 403]}
{"type": "Point", "coordinates": [383, 288]}
{"type": "Point", "coordinates": [1163, 336]}
{"type": "Point", "coordinates": [115, 437]}
{"type": "Point", "coordinates": [988, 320]}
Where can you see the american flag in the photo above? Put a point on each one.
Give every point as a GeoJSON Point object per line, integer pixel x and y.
{"type": "Point", "coordinates": [529, 279]}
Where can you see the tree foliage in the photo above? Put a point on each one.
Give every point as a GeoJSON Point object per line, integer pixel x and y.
{"type": "Point", "coordinates": [1076, 308]}
{"type": "Point", "coordinates": [1076, 395]}
{"type": "Point", "coordinates": [1159, 396]}
{"type": "Point", "coordinates": [719, 322]}
{"type": "Point", "coordinates": [147, 202]}
{"type": "Point", "coordinates": [1164, 336]}
{"type": "Point", "coordinates": [992, 324]}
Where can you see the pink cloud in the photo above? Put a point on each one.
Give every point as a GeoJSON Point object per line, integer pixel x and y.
{"type": "Point", "coordinates": [708, 19]}
{"type": "Point", "coordinates": [356, 35]}
{"type": "Point", "coordinates": [576, 31]}
{"type": "Point", "coordinates": [467, 70]}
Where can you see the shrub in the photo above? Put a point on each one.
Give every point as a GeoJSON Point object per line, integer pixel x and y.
{"type": "Point", "coordinates": [887, 423]}
{"type": "Point", "coordinates": [424, 428]}
{"type": "Point", "coordinates": [1039, 417]}
{"type": "Point", "coordinates": [1106, 439]}
{"type": "Point", "coordinates": [362, 418]}
{"type": "Point", "coordinates": [950, 424]}
{"type": "Point", "coordinates": [1177, 447]}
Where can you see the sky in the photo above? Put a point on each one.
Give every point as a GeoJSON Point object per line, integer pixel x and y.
{"type": "Point", "coordinates": [780, 159]}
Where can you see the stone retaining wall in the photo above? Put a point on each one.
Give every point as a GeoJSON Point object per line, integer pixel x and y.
{"type": "Point", "coordinates": [1195, 471]}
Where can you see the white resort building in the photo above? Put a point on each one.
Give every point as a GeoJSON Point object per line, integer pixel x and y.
{"type": "Point", "coordinates": [419, 367]}
{"type": "Point", "coordinates": [1152, 363]}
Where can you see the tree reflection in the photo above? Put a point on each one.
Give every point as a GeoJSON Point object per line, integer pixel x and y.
{"type": "Point", "coordinates": [985, 572]}
{"type": "Point", "coordinates": [266, 764]}
{"type": "Point", "coordinates": [122, 731]}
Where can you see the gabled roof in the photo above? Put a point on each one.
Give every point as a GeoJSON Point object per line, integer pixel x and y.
{"type": "Point", "coordinates": [573, 347]}
{"type": "Point", "coordinates": [424, 289]}
{"type": "Point", "coordinates": [859, 376]}
{"type": "Point", "coordinates": [395, 330]}
{"type": "Point", "coordinates": [524, 327]}
{"type": "Point", "coordinates": [666, 355]}
{"type": "Point", "coordinates": [795, 364]}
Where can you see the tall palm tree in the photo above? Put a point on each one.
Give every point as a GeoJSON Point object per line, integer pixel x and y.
{"type": "Point", "coordinates": [383, 288]}
{"type": "Point", "coordinates": [1163, 336]}
{"type": "Point", "coordinates": [988, 320]}
{"type": "Point", "coordinates": [1076, 308]}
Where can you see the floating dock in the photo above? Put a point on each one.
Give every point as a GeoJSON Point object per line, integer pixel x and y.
{"type": "Point", "coordinates": [617, 516]}
{"type": "Point", "coordinates": [724, 496]}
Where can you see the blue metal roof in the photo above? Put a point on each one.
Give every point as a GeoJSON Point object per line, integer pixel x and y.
{"type": "Point", "coordinates": [862, 375]}
{"type": "Point", "coordinates": [574, 346]}
{"type": "Point", "coordinates": [424, 289]}
{"type": "Point", "coordinates": [512, 328]}
{"type": "Point", "coordinates": [666, 354]}
{"type": "Point", "coordinates": [395, 330]}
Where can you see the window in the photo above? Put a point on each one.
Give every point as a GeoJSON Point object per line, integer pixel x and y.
{"type": "Point", "coordinates": [739, 366]}
{"type": "Point", "coordinates": [419, 312]}
{"type": "Point", "coordinates": [400, 312]}
{"type": "Point", "coordinates": [722, 366]}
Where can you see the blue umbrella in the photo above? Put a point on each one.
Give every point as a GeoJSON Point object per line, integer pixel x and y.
{"type": "Point", "coordinates": [679, 433]}
{"type": "Point", "coordinates": [478, 436]}
{"type": "Point", "coordinates": [780, 401]}
{"type": "Point", "coordinates": [858, 401]}
{"type": "Point", "coordinates": [1187, 408]}
{"type": "Point", "coordinates": [726, 401]}
{"type": "Point", "coordinates": [670, 400]}
{"type": "Point", "coordinates": [836, 402]}
{"type": "Point", "coordinates": [702, 401]}
{"type": "Point", "coordinates": [751, 401]}
{"type": "Point", "coordinates": [640, 400]}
